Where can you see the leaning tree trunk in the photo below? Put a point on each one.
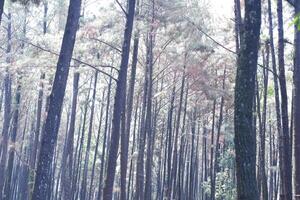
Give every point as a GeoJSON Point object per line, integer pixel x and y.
{"type": "Point", "coordinates": [119, 106]}
{"type": "Point", "coordinates": [245, 138]}
{"type": "Point", "coordinates": [43, 179]}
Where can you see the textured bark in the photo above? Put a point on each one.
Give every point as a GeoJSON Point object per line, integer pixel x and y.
{"type": "Point", "coordinates": [43, 179]}
{"type": "Point", "coordinates": [245, 138]}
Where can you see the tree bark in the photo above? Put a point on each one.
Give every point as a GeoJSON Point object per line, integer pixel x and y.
{"type": "Point", "coordinates": [43, 179]}
{"type": "Point", "coordinates": [297, 109]}
{"type": "Point", "coordinates": [286, 170]}
{"type": "Point", "coordinates": [245, 138]}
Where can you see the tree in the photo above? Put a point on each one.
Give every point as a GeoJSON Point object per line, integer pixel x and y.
{"type": "Point", "coordinates": [49, 138]}
{"type": "Point", "coordinates": [119, 105]}
{"type": "Point", "coordinates": [245, 138]}
{"type": "Point", "coordinates": [297, 107]}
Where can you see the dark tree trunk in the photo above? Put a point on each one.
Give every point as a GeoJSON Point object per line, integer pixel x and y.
{"type": "Point", "coordinates": [297, 109]}
{"type": "Point", "coordinates": [175, 154]}
{"type": "Point", "coordinates": [286, 170]}
{"type": "Point", "coordinates": [169, 144]}
{"type": "Point", "coordinates": [104, 143]}
{"type": "Point", "coordinates": [119, 106]}
{"type": "Point", "coordinates": [219, 124]}
{"type": "Point", "coordinates": [43, 179]}
{"type": "Point", "coordinates": [212, 143]}
{"type": "Point", "coordinates": [126, 133]}
{"type": "Point", "coordinates": [1, 9]}
{"type": "Point", "coordinates": [263, 131]}
{"type": "Point", "coordinates": [245, 138]}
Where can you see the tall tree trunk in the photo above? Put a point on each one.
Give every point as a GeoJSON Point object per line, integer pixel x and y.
{"type": "Point", "coordinates": [10, 165]}
{"type": "Point", "coordinates": [7, 109]}
{"type": "Point", "coordinates": [68, 172]}
{"type": "Point", "coordinates": [104, 143]}
{"type": "Point", "coordinates": [245, 138]}
{"type": "Point", "coordinates": [263, 131]}
{"type": "Point", "coordinates": [219, 124]}
{"type": "Point", "coordinates": [286, 170]}
{"type": "Point", "coordinates": [297, 109]}
{"type": "Point", "coordinates": [276, 89]}
{"type": "Point", "coordinates": [126, 133]}
{"type": "Point", "coordinates": [97, 147]}
{"type": "Point", "coordinates": [88, 146]}
{"type": "Point", "coordinates": [175, 154]}
{"type": "Point", "coordinates": [42, 180]}
{"type": "Point", "coordinates": [212, 143]}
{"type": "Point", "coordinates": [119, 106]}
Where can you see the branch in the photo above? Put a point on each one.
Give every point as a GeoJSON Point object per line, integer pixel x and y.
{"type": "Point", "coordinates": [163, 48]}
{"type": "Point", "coordinates": [291, 2]}
{"type": "Point", "coordinates": [77, 60]}
{"type": "Point", "coordinates": [108, 44]}
{"type": "Point", "coordinates": [263, 67]}
{"type": "Point", "coordinates": [211, 38]}
{"type": "Point", "coordinates": [126, 14]}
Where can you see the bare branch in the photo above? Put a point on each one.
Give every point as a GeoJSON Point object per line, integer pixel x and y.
{"type": "Point", "coordinates": [163, 48]}
{"type": "Point", "coordinates": [291, 2]}
{"type": "Point", "coordinates": [75, 59]}
{"type": "Point", "coordinates": [108, 44]}
{"type": "Point", "coordinates": [124, 11]}
{"type": "Point", "coordinates": [211, 38]}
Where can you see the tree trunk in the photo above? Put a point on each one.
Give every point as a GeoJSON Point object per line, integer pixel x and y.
{"type": "Point", "coordinates": [286, 170]}
{"type": "Point", "coordinates": [88, 146]}
{"type": "Point", "coordinates": [245, 138]}
{"type": "Point", "coordinates": [42, 179]}
{"type": "Point", "coordinates": [1, 9]}
{"type": "Point", "coordinates": [104, 143]}
{"type": "Point", "coordinates": [297, 109]}
{"type": "Point", "coordinates": [126, 133]}
{"type": "Point", "coordinates": [119, 106]}
{"type": "Point", "coordinates": [7, 110]}
{"type": "Point", "coordinates": [9, 183]}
